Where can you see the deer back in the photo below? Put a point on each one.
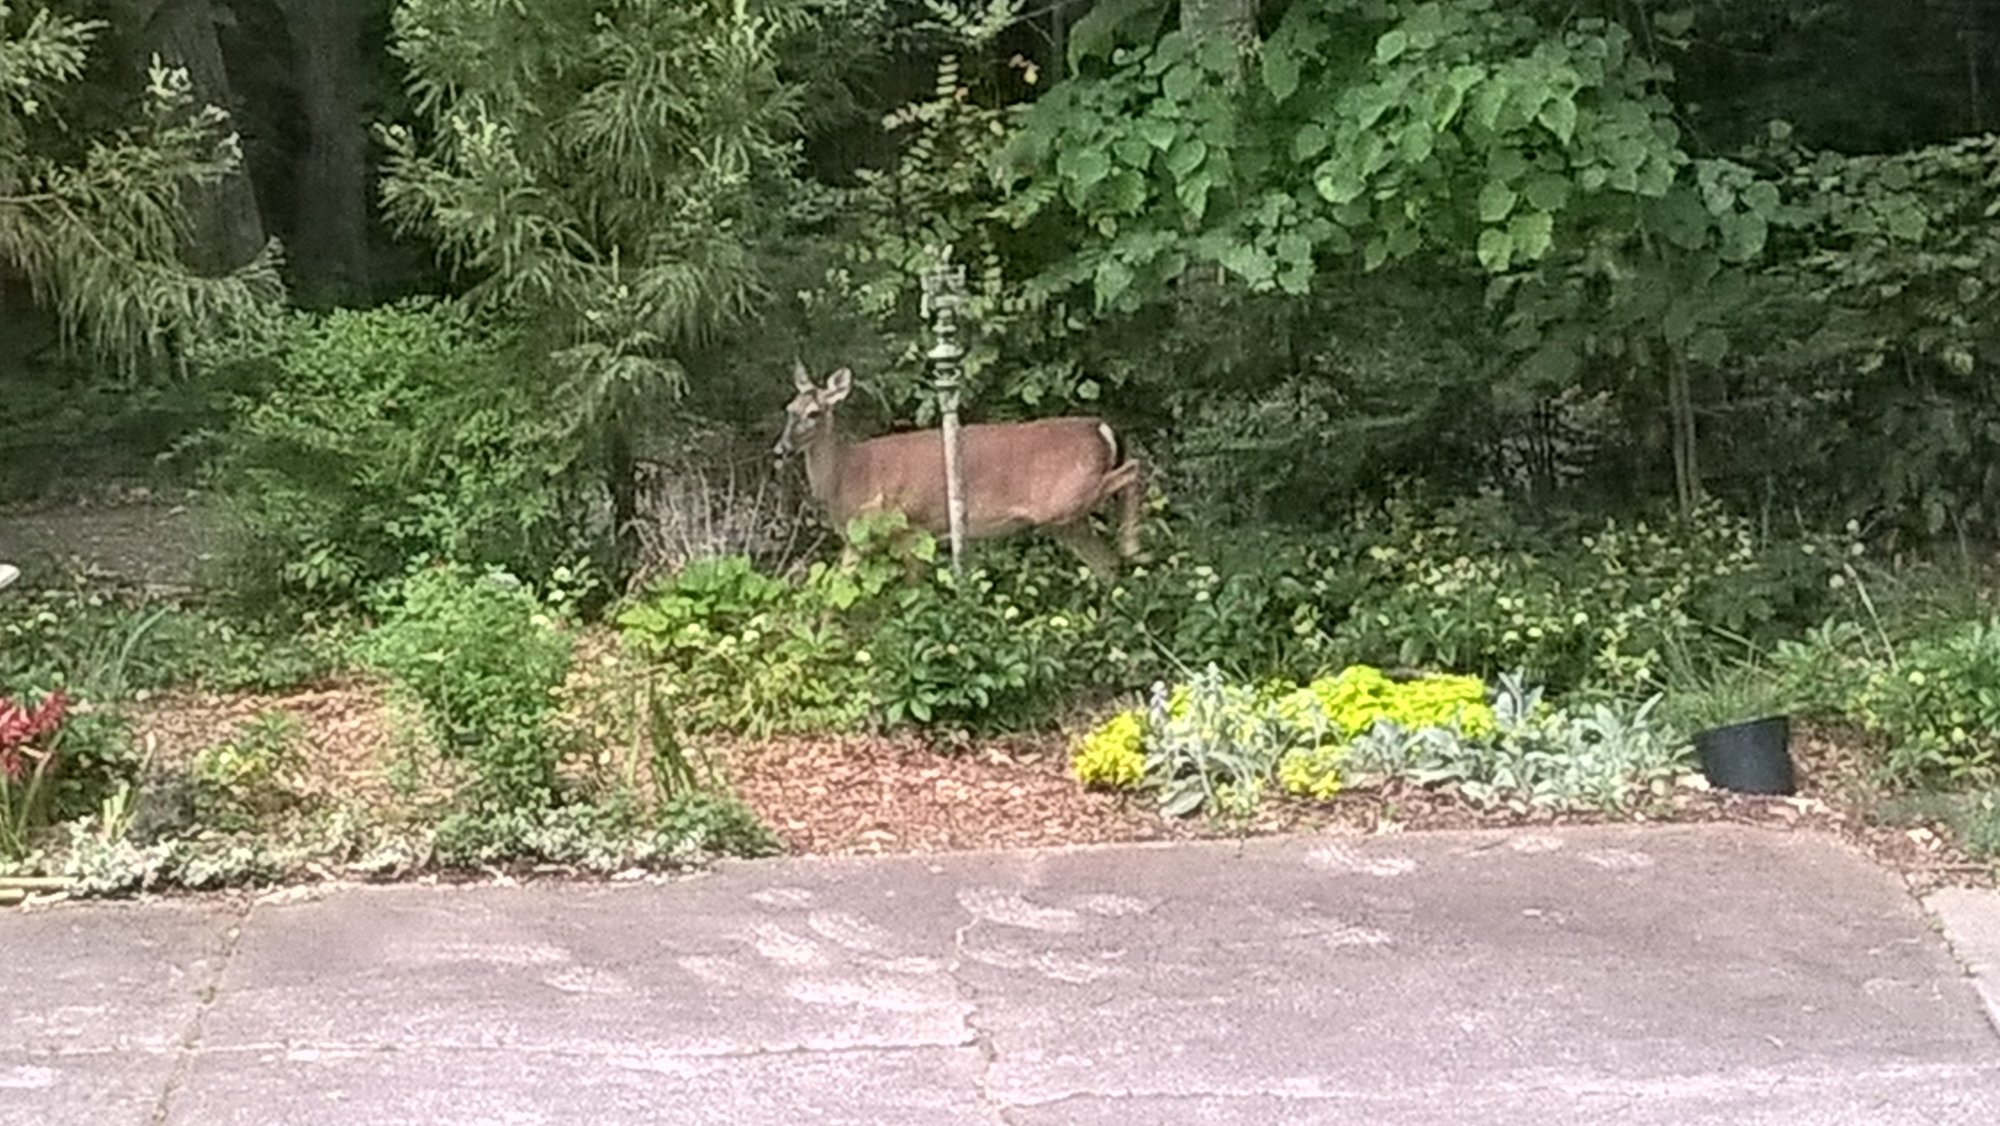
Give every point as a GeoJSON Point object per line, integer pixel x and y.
{"type": "Point", "coordinates": [1016, 475]}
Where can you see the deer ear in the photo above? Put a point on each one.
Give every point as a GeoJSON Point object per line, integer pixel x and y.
{"type": "Point", "coordinates": [801, 378]}
{"type": "Point", "coordinates": [837, 386]}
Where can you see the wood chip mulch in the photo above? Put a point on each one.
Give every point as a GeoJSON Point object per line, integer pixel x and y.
{"type": "Point", "coordinates": [904, 794]}
{"type": "Point", "coordinates": [859, 795]}
{"type": "Point", "coordinates": [347, 732]}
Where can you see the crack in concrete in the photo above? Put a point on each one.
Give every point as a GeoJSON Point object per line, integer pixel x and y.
{"type": "Point", "coordinates": [626, 1055]}
{"type": "Point", "coordinates": [1764, 1082]}
{"type": "Point", "coordinates": [189, 1045]}
{"type": "Point", "coordinates": [977, 1037]}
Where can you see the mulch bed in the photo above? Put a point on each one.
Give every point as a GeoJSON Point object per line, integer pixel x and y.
{"type": "Point", "coordinates": [859, 795]}
{"type": "Point", "coordinates": [847, 795]}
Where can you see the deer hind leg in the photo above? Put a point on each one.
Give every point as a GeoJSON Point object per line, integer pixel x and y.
{"type": "Point", "coordinates": [1078, 537]}
{"type": "Point", "coordinates": [1124, 483]}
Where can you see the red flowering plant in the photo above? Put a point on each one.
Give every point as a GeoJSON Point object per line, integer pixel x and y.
{"type": "Point", "coordinates": [27, 767]}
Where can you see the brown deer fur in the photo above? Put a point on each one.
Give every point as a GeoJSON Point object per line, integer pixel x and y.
{"type": "Point", "coordinates": [1050, 473]}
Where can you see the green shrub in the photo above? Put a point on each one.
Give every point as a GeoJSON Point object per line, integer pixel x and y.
{"type": "Point", "coordinates": [483, 662]}
{"type": "Point", "coordinates": [1936, 706]}
{"type": "Point", "coordinates": [380, 436]}
{"type": "Point", "coordinates": [249, 777]}
{"type": "Point", "coordinates": [850, 642]}
{"type": "Point", "coordinates": [1254, 605]}
{"type": "Point", "coordinates": [112, 647]}
{"type": "Point", "coordinates": [948, 653]}
{"type": "Point", "coordinates": [1979, 826]}
{"type": "Point", "coordinates": [1608, 612]}
{"type": "Point", "coordinates": [747, 652]}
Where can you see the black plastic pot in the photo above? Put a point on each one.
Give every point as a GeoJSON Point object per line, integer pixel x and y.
{"type": "Point", "coordinates": [1754, 757]}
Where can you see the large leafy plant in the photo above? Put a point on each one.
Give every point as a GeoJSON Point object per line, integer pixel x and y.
{"type": "Point", "coordinates": [376, 437]}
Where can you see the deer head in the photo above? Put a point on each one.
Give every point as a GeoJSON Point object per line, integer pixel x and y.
{"type": "Point", "coordinates": [809, 416]}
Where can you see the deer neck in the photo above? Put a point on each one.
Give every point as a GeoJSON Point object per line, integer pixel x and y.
{"type": "Point", "coordinates": [824, 461]}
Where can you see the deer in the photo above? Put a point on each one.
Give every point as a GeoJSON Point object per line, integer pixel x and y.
{"type": "Point", "coordinates": [1050, 473]}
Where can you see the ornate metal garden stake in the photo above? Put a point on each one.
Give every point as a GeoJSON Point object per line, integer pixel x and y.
{"type": "Point", "coordinates": [944, 291]}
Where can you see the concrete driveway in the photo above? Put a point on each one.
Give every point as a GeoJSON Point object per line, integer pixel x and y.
{"type": "Point", "coordinates": [1661, 975]}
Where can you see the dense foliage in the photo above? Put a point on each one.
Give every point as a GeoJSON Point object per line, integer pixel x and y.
{"type": "Point", "coordinates": [1614, 348]}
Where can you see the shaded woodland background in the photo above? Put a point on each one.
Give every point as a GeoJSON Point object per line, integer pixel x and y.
{"type": "Point", "coordinates": [1837, 369]}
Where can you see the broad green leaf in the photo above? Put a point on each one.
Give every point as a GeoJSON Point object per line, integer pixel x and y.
{"type": "Point", "coordinates": [1496, 249]}
{"type": "Point", "coordinates": [1558, 116]}
{"type": "Point", "coordinates": [1280, 67]}
{"type": "Point", "coordinates": [1112, 280]}
{"type": "Point", "coordinates": [1762, 197]}
{"type": "Point", "coordinates": [1709, 346]}
{"type": "Point", "coordinates": [1553, 365]}
{"type": "Point", "coordinates": [1375, 253]}
{"type": "Point", "coordinates": [1743, 235]}
{"type": "Point", "coordinates": [1132, 151]}
{"type": "Point", "coordinates": [1496, 201]}
{"type": "Point", "coordinates": [1339, 183]}
{"type": "Point", "coordinates": [1391, 46]}
{"type": "Point", "coordinates": [1249, 263]}
{"type": "Point", "coordinates": [1180, 83]}
{"type": "Point", "coordinates": [1294, 248]}
{"type": "Point", "coordinates": [1310, 141]}
{"type": "Point", "coordinates": [1506, 163]}
{"type": "Point", "coordinates": [1218, 54]}
{"type": "Point", "coordinates": [1369, 153]}
{"type": "Point", "coordinates": [1367, 104]}
{"type": "Point", "coordinates": [1907, 222]}
{"type": "Point", "coordinates": [1548, 191]}
{"type": "Point", "coordinates": [1531, 233]}
{"type": "Point", "coordinates": [1446, 101]}
{"type": "Point", "coordinates": [1085, 167]}
{"type": "Point", "coordinates": [1186, 156]}
{"type": "Point", "coordinates": [1680, 219]}
{"type": "Point", "coordinates": [1487, 102]}
{"type": "Point", "coordinates": [1625, 152]}
{"type": "Point", "coordinates": [1416, 142]}
{"type": "Point", "coordinates": [1126, 193]}
{"type": "Point", "coordinates": [1158, 132]}
{"type": "Point", "coordinates": [1193, 194]}
{"type": "Point", "coordinates": [1683, 315]}
{"type": "Point", "coordinates": [1675, 21]}
{"type": "Point", "coordinates": [1294, 279]}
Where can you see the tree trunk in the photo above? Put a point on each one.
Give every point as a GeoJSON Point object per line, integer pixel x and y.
{"type": "Point", "coordinates": [329, 244]}
{"type": "Point", "coordinates": [1680, 413]}
{"type": "Point", "coordinates": [226, 228]}
{"type": "Point", "coordinates": [1236, 19]}
{"type": "Point", "coordinates": [621, 481]}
